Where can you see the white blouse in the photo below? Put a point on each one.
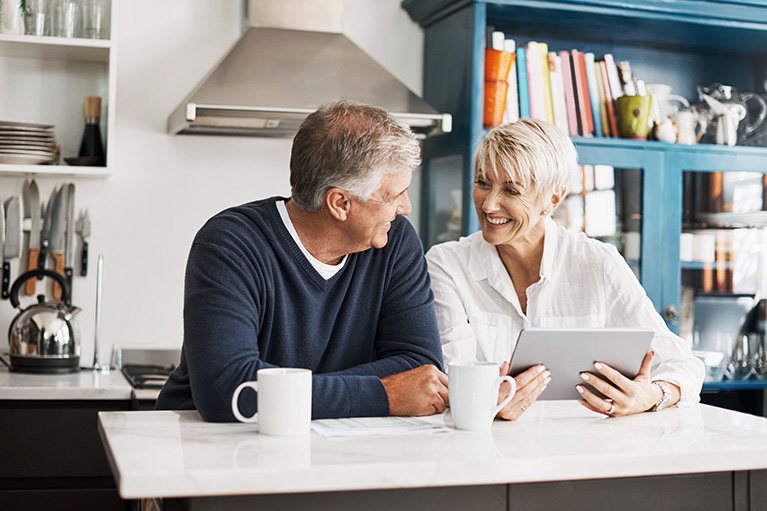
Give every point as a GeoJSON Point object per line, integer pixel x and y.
{"type": "Point", "coordinates": [584, 283]}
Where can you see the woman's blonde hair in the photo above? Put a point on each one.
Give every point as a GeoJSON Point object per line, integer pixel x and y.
{"type": "Point", "coordinates": [531, 153]}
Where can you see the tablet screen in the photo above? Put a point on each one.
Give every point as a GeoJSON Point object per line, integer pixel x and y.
{"type": "Point", "coordinates": [567, 352]}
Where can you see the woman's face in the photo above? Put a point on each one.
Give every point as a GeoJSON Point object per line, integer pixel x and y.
{"type": "Point", "coordinates": [507, 212]}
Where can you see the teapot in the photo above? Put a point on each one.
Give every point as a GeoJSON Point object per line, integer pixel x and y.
{"type": "Point", "coordinates": [666, 103]}
{"type": "Point", "coordinates": [44, 337]}
{"type": "Point", "coordinates": [690, 125]}
{"type": "Point", "coordinates": [728, 108]}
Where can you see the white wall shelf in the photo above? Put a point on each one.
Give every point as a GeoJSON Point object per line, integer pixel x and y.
{"type": "Point", "coordinates": [45, 80]}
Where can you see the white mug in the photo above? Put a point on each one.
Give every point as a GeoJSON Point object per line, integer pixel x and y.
{"type": "Point", "coordinates": [284, 401]}
{"type": "Point", "coordinates": [473, 389]}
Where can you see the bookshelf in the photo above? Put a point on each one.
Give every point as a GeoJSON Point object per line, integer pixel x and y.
{"type": "Point", "coordinates": [681, 43]}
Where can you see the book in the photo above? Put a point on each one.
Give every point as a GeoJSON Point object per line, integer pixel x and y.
{"type": "Point", "coordinates": [609, 101]}
{"type": "Point", "coordinates": [534, 78]}
{"type": "Point", "coordinates": [558, 92]}
{"type": "Point", "coordinates": [586, 98]}
{"type": "Point", "coordinates": [591, 78]}
{"type": "Point", "coordinates": [524, 98]}
{"type": "Point", "coordinates": [567, 80]}
{"type": "Point", "coordinates": [602, 101]}
{"type": "Point", "coordinates": [512, 97]}
{"type": "Point", "coordinates": [580, 92]}
{"type": "Point", "coordinates": [612, 75]}
{"type": "Point", "coordinates": [548, 104]}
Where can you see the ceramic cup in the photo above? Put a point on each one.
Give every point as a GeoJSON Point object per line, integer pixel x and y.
{"type": "Point", "coordinates": [473, 389]}
{"type": "Point", "coordinates": [284, 401]}
{"type": "Point", "coordinates": [633, 116]}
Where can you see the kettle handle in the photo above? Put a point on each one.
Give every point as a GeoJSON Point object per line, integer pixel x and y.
{"type": "Point", "coordinates": [34, 273]}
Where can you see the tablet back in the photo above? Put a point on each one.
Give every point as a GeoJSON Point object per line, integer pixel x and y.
{"type": "Point", "coordinates": [567, 352]}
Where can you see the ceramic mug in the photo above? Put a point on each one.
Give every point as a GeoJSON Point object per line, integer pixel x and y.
{"type": "Point", "coordinates": [634, 116]}
{"type": "Point", "coordinates": [473, 389]}
{"type": "Point", "coordinates": [284, 401]}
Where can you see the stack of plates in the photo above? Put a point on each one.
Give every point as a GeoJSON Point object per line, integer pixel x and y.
{"type": "Point", "coordinates": [25, 143]}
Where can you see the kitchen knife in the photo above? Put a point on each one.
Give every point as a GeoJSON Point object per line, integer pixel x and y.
{"type": "Point", "coordinates": [12, 245]}
{"type": "Point", "coordinates": [85, 233]}
{"type": "Point", "coordinates": [32, 211]}
{"type": "Point", "coordinates": [69, 247]}
{"type": "Point", "coordinates": [58, 228]}
{"type": "Point", "coordinates": [45, 236]}
{"type": "Point", "coordinates": [2, 229]}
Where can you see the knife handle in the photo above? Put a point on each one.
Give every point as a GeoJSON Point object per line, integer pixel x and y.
{"type": "Point", "coordinates": [6, 279]}
{"type": "Point", "coordinates": [84, 260]}
{"type": "Point", "coordinates": [32, 265]}
{"type": "Point", "coordinates": [41, 258]}
{"type": "Point", "coordinates": [58, 268]}
{"type": "Point", "coordinates": [68, 276]}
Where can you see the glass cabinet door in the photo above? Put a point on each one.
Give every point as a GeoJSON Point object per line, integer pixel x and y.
{"type": "Point", "coordinates": [606, 203]}
{"type": "Point", "coordinates": [723, 260]}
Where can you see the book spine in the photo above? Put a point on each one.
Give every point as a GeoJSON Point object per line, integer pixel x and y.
{"type": "Point", "coordinates": [567, 79]}
{"type": "Point", "coordinates": [512, 97]}
{"type": "Point", "coordinates": [524, 97]}
{"type": "Point", "coordinates": [591, 79]}
{"type": "Point", "coordinates": [580, 102]}
{"type": "Point", "coordinates": [548, 103]}
{"type": "Point", "coordinates": [609, 101]}
{"type": "Point", "coordinates": [584, 92]}
{"type": "Point", "coordinates": [534, 86]}
{"type": "Point", "coordinates": [602, 100]}
{"type": "Point", "coordinates": [558, 92]}
{"type": "Point", "coordinates": [612, 74]}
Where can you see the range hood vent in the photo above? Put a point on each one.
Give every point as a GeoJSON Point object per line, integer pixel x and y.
{"type": "Point", "coordinates": [274, 77]}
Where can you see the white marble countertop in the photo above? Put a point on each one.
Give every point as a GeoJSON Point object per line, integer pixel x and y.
{"type": "Point", "coordinates": [176, 454]}
{"type": "Point", "coordinates": [82, 385]}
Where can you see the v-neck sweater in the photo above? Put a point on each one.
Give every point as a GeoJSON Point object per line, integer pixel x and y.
{"type": "Point", "coordinates": [252, 300]}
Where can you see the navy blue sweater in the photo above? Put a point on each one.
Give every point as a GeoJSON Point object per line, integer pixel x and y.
{"type": "Point", "coordinates": [253, 300]}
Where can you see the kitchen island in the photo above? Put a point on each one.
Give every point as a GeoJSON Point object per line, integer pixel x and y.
{"type": "Point", "coordinates": [558, 455]}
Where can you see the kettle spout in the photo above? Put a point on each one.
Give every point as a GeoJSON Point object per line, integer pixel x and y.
{"type": "Point", "coordinates": [71, 311]}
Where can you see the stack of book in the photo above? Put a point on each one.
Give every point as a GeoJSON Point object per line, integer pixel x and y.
{"type": "Point", "coordinates": [573, 90]}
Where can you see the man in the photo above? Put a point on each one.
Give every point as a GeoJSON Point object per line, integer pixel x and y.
{"type": "Point", "coordinates": [331, 279]}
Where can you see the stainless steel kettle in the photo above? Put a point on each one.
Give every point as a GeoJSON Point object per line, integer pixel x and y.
{"type": "Point", "coordinates": [44, 337]}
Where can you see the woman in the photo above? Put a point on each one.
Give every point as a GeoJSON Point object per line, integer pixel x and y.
{"type": "Point", "coordinates": [522, 270]}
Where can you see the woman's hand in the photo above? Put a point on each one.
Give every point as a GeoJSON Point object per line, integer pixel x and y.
{"type": "Point", "coordinates": [530, 385]}
{"type": "Point", "coordinates": [625, 396]}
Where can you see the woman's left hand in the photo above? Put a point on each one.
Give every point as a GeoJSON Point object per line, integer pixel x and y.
{"type": "Point", "coordinates": [625, 396]}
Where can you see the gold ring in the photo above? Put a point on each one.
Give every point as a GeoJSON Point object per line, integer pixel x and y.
{"type": "Point", "coordinates": [612, 409]}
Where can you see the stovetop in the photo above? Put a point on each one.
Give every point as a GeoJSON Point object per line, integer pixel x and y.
{"type": "Point", "coordinates": [147, 376]}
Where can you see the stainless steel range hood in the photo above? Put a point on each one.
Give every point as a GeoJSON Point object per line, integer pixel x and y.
{"type": "Point", "coordinates": [291, 59]}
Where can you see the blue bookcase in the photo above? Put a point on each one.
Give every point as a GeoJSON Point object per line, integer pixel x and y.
{"type": "Point", "coordinates": [681, 43]}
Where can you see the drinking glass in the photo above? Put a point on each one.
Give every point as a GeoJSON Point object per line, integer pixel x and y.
{"type": "Point", "coordinates": [64, 18]}
{"type": "Point", "coordinates": [94, 16]}
{"type": "Point", "coordinates": [36, 17]}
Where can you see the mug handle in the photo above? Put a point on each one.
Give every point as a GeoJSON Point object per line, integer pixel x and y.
{"type": "Point", "coordinates": [235, 406]}
{"type": "Point", "coordinates": [508, 398]}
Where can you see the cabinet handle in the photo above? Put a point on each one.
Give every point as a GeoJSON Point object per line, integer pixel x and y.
{"type": "Point", "coordinates": [671, 314]}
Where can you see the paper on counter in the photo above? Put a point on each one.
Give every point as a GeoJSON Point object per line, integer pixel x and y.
{"type": "Point", "coordinates": [376, 426]}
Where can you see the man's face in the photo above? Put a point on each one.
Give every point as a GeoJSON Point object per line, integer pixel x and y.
{"type": "Point", "coordinates": [371, 219]}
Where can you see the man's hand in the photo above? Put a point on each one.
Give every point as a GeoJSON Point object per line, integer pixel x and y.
{"type": "Point", "coordinates": [420, 391]}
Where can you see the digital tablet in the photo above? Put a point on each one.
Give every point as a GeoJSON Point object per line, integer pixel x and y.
{"type": "Point", "coordinates": [567, 352]}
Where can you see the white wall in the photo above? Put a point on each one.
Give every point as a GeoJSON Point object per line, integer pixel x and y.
{"type": "Point", "coordinates": [163, 187]}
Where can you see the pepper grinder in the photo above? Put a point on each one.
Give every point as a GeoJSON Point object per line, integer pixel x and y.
{"type": "Point", "coordinates": [91, 145]}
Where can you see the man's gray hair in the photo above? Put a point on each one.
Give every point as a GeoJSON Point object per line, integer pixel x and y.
{"type": "Point", "coordinates": [351, 146]}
